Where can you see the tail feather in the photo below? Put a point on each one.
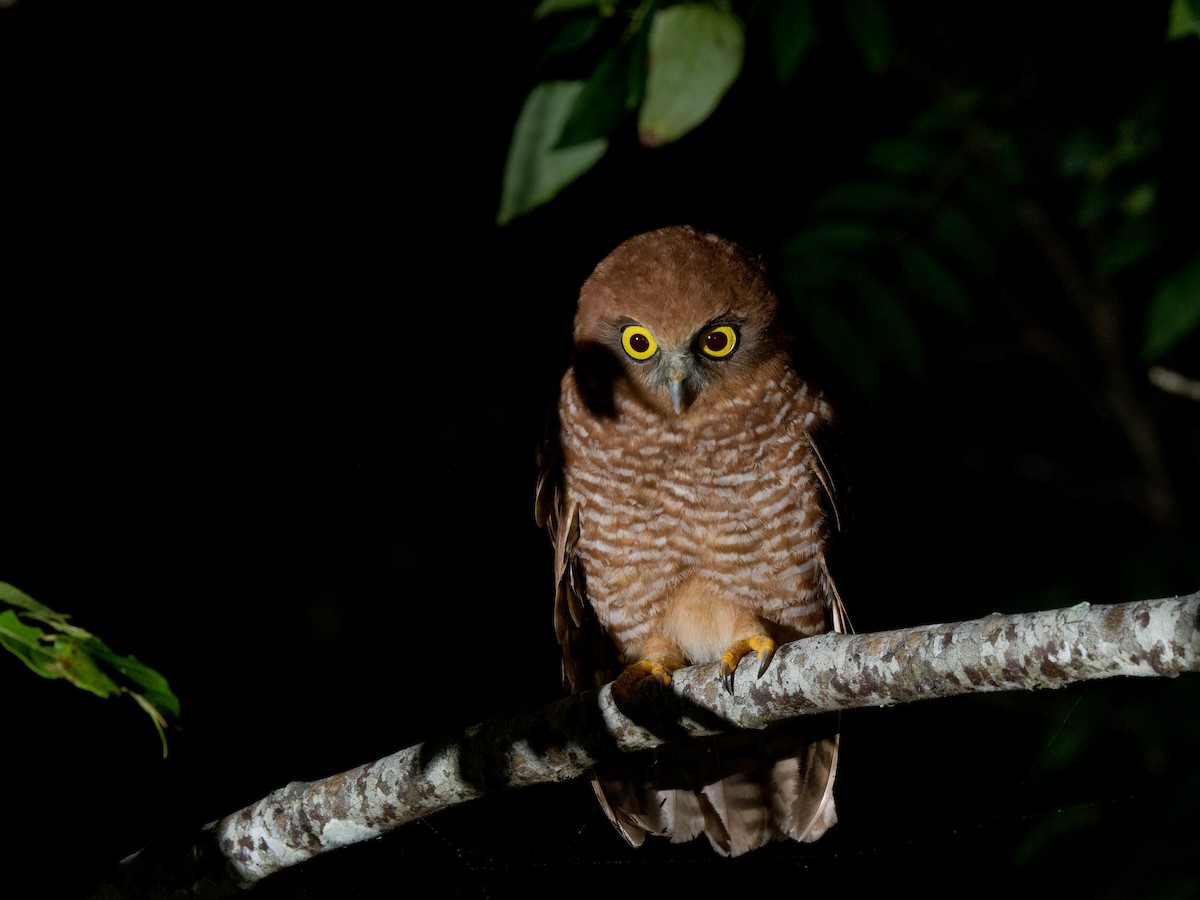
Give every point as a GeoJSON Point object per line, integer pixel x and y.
{"type": "Point", "coordinates": [740, 790]}
{"type": "Point", "coordinates": [811, 811]}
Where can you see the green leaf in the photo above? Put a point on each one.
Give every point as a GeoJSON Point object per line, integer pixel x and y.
{"type": "Point", "coordinates": [837, 238]}
{"type": "Point", "coordinates": [1132, 241]}
{"type": "Point", "coordinates": [1006, 159]}
{"type": "Point", "coordinates": [929, 279]}
{"type": "Point", "coordinates": [572, 36]}
{"type": "Point", "coordinates": [866, 198]}
{"type": "Point", "coordinates": [818, 258]}
{"type": "Point", "coordinates": [639, 53]}
{"type": "Point", "coordinates": [843, 344]}
{"type": "Point", "coordinates": [550, 7]}
{"type": "Point", "coordinates": [1174, 312]}
{"type": "Point", "coordinates": [153, 686]}
{"type": "Point", "coordinates": [695, 54]}
{"type": "Point", "coordinates": [74, 662]}
{"type": "Point", "coordinates": [53, 655]}
{"type": "Point", "coordinates": [868, 25]}
{"type": "Point", "coordinates": [950, 229]}
{"type": "Point", "coordinates": [536, 171]}
{"type": "Point", "coordinates": [1045, 837]}
{"type": "Point", "coordinates": [81, 658]}
{"type": "Point", "coordinates": [904, 156]}
{"type": "Point", "coordinates": [790, 31]}
{"type": "Point", "coordinates": [1096, 202]}
{"type": "Point", "coordinates": [949, 116]}
{"type": "Point", "coordinates": [18, 598]}
{"type": "Point", "coordinates": [1140, 199]}
{"type": "Point", "coordinates": [601, 105]}
{"type": "Point", "coordinates": [27, 643]}
{"type": "Point", "coordinates": [1184, 20]}
{"type": "Point", "coordinates": [1081, 154]}
{"type": "Point", "coordinates": [889, 323]}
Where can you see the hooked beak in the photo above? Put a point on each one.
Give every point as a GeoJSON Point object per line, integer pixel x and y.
{"type": "Point", "coordinates": [677, 389]}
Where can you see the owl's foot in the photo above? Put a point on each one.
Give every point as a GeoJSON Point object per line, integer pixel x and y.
{"type": "Point", "coordinates": [759, 643]}
{"type": "Point", "coordinates": [659, 670]}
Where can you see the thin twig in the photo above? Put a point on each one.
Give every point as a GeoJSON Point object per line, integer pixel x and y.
{"type": "Point", "coordinates": [1174, 383]}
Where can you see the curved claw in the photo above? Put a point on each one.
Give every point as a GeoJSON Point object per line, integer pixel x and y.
{"type": "Point", "coordinates": [759, 643]}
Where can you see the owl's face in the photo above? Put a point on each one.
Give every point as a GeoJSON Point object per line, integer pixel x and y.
{"type": "Point", "coordinates": [678, 316]}
{"type": "Point", "coordinates": [680, 364]}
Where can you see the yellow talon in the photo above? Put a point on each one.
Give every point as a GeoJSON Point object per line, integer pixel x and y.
{"type": "Point", "coordinates": [758, 643]}
{"type": "Point", "coordinates": [658, 669]}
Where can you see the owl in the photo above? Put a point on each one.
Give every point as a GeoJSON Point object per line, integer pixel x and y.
{"type": "Point", "coordinates": [688, 507]}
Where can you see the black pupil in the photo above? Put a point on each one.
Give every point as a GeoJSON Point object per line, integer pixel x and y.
{"type": "Point", "coordinates": [716, 341]}
{"type": "Point", "coordinates": [639, 342]}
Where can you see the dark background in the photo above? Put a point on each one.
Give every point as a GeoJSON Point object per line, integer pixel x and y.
{"type": "Point", "coordinates": [272, 382]}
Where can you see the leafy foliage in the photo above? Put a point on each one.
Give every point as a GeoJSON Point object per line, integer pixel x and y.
{"type": "Point", "coordinates": [879, 248]}
{"type": "Point", "coordinates": [1174, 311]}
{"type": "Point", "coordinates": [694, 55]}
{"type": "Point", "coordinates": [672, 63]}
{"type": "Point", "coordinates": [1185, 19]}
{"type": "Point", "coordinates": [908, 237]}
{"type": "Point", "coordinates": [538, 166]}
{"type": "Point", "coordinates": [68, 651]}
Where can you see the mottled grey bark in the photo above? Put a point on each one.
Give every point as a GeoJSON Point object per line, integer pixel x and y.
{"type": "Point", "coordinates": [563, 740]}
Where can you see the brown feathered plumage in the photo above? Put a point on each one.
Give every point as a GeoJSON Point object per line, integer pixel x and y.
{"type": "Point", "coordinates": [687, 505]}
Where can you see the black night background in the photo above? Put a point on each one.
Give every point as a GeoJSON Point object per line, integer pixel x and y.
{"type": "Point", "coordinates": [273, 380]}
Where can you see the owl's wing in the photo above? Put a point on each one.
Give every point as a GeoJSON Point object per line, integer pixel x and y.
{"type": "Point", "coordinates": [832, 504]}
{"type": "Point", "coordinates": [588, 657]}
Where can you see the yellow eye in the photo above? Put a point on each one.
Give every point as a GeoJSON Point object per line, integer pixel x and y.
{"type": "Point", "coordinates": [638, 342]}
{"type": "Point", "coordinates": [719, 342]}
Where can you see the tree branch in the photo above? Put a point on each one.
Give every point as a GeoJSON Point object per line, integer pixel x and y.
{"type": "Point", "coordinates": [564, 740]}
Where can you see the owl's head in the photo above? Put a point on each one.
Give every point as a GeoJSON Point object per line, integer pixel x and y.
{"type": "Point", "coordinates": [680, 316]}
